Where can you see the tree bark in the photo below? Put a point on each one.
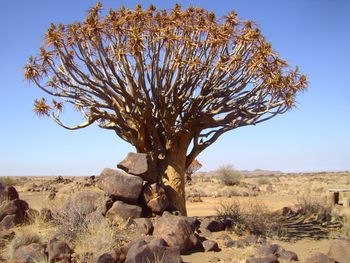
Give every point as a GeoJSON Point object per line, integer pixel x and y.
{"type": "Point", "coordinates": [174, 182]}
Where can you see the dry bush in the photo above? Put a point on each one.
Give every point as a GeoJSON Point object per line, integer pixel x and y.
{"type": "Point", "coordinates": [315, 206]}
{"type": "Point", "coordinates": [98, 238]}
{"type": "Point", "coordinates": [253, 218]}
{"type": "Point", "coordinates": [74, 216]}
{"type": "Point", "coordinates": [7, 180]}
{"type": "Point", "coordinates": [228, 175]}
{"type": "Point", "coordinates": [24, 236]}
{"type": "Point", "coordinates": [262, 181]}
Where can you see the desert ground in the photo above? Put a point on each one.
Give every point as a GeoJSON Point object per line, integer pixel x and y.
{"type": "Point", "coordinates": [262, 195]}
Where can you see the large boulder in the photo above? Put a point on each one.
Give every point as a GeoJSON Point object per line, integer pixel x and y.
{"type": "Point", "coordinates": [120, 185]}
{"type": "Point", "coordinates": [155, 198]}
{"type": "Point", "coordinates": [154, 251]}
{"type": "Point", "coordinates": [177, 231]}
{"type": "Point", "coordinates": [144, 226]}
{"type": "Point", "coordinates": [212, 225]}
{"type": "Point", "coordinates": [121, 210]}
{"type": "Point", "coordinates": [31, 253]}
{"type": "Point", "coordinates": [138, 164]}
{"type": "Point", "coordinates": [340, 251]}
{"type": "Point", "coordinates": [8, 193]}
{"type": "Point", "coordinates": [319, 258]}
{"type": "Point", "coordinates": [8, 222]}
{"type": "Point", "coordinates": [59, 251]}
{"type": "Point", "coordinates": [14, 207]}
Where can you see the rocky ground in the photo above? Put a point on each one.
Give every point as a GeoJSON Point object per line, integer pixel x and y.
{"type": "Point", "coordinates": [261, 218]}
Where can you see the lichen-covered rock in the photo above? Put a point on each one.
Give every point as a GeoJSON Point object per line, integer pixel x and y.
{"type": "Point", "coordinates": [59, 250]}
{"type": "Point", "coordinates": [120, 185]}
{"type": "Point", "coordinates": [210, 245]}
{"type": "Point", "coordinates": [340, 251]}
{"type": "Point", "coordinates": [319, 258]}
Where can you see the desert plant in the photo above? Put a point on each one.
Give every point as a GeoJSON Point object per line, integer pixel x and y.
{"type": "Point", "coordinates": [73, 217]}
{"type": "Point", "coordinates": [315, 206]}
{"type": "Point", "coordinates": [25, 236]}
{"type": "Point", "coordinates": [253, 218]}
{"type": "Point", "coordinates": [101, 239]}
{"type": "Point", "coordinates": [168, 82]}
{"type": "Point", "coordinates": [228, 175]}
{"type": "Point", "coordinates": [7, 180]}
{"type": "Point", "coordinates": [262, 181]}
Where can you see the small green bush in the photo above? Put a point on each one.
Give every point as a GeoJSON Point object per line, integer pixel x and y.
{"type": "Point", "coordinates": [262, 181]}
{"type": "Point", "coordinates": [228, 175]}
{"type": "Point", "coordinates": [7, 180]}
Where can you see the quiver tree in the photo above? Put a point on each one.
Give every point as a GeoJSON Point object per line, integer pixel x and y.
{"type": "Point", "coordinates": [168, 82]}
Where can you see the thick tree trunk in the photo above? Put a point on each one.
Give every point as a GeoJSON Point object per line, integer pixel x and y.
{"type": "Point", "coordinates": [174, 181]}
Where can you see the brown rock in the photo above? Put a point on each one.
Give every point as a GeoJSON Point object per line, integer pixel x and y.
{"type": "Point", "coordinates": [106, 258]}
{"type": "Point", "coordinates": [340, 251]}
{"type": "Point", "coordinates": [31, 253]}
{"type": "Point", "coordinates": [138, 164]}
{"type": "Point", "coordinates": [152, 252]}
{"type": "Point", "coordinates": [122, 186]}
{"type": "Point", "coordinates": [319, 258]}
{"type": "Point", "coordinates": [8, 222]}
{"type": "Point", "coordinates": [11, 193]}
{"type": "Point", "coordinates": [144, 226]}
{"type": "Point", "coordinates": [210, 245]}
{"type": "Point", "coordinates": [14, 207]}
{"type": "Point", "coordinates": [267, 259]}
{"type": "Point", "coordinates": [121, 210]}
{"type": "Point", "coordinates": [177, 232]}
{"type": "Point", "coordinates": [59, 251]}
{"type": "Point", "coordinates": [212, 225]}
{"type": "Point", "coordinates": [155, 197]}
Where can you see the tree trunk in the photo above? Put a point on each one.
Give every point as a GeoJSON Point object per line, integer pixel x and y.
{"type": "Point", "coordinates": [174, 181]}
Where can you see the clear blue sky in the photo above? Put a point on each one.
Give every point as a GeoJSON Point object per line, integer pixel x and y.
{"type": "Point", "coordinates": [314, 34]}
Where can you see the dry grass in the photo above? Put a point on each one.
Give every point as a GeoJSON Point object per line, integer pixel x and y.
{"type": "Point", "coordinates": [98, 238]}
{"type": "Point", "coordinates": [7, 180]}
{"type": "Point", "coordinates": [254, 218]}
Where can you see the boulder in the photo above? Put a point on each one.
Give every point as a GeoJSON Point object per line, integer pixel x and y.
{"type": "Point", "coordinates": [121, 210]}
{"type": "Point", "coordinates": [278, 251]}
{"type": "Point", "coordinates": [138, 164]}
{"type": "Point", "coordinates": [267, 259]}
{"type": "Point", "coordinates": [8, 222]}
{"type": "Point", "coordinates": [155, 197]}
{"type": "Point", "coordinates": [340, 251]}
{"type": "Point", "coordinates": [6, 236]}
{"type": "Point", "coordinates": [144, 226]}
{"type": "Point", "coordinates": [212, 225]}
{"type": "Point", "coordinates": [106, 258]}
{"type": "Point", "coordinates": [155, 251]}
{"type": "Point", "coordinates": [210, 245]}
{"type": "Point", "coordinates": [14, 207]}
{"type": "Point", "coordinates": [119, 185]}
{"type": "Point", "coordinates": [177, 231]}
{"type": "Point", "coordinates": [31, 253]}
{"type": "Point", "coordinates": [58, 250]}
{"type": "Point", "coordinates": [319, 258]}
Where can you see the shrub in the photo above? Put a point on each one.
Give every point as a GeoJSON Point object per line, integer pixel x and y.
{"type": "Point", "coordinates": [228, 175]}
{"type": "Point", "coordinates": [315, 206]}
{"type": "Point", "coordinates": [74, 216]}
{"type": "Point", "coordinates": [253, 218]}
{"type": "Point", "coordinates": [101, 239]}
{"type": "Point", "coordinates": [262, 181]}
{"type": "Point", "coordinates": [7, 180]}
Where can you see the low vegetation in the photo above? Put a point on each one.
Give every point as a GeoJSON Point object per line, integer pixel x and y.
{"type": "Point", "coordinates": [228, 175]}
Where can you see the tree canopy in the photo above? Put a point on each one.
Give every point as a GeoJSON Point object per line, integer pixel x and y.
{"type": "Point", "coordinates": [155, 77]}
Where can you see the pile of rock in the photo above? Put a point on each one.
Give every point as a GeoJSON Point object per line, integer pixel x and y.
{"type": "Point", "coordinates": [132, 192]}
{"type": "Point", "coordinates": [13, 210]}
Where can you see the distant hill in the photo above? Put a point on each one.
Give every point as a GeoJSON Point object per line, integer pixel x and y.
{"type": "Point", "coordinates": [261, 172]}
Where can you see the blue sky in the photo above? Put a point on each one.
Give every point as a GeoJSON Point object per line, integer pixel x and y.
{"type": "Point", "coordinates": [315, 136]}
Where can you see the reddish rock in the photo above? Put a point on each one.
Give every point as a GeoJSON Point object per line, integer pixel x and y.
{"type": "Point", "coordinates": [31, 253]}
{"type": "Point", "coordinates": [210, 245]}
{"type": "Point", "coordinates": [144, 226]}
{"type": "Point", "coordinates": [121, 210]}
{"type": "Point", "coordinates": [122, 186]}
{"type": "Point", "coordinates": [106, 258]}
{"type": "Point", "coordinates": [319, 258]}
{"type": "Point", "coordinates": [212, 225]}
{"type": "Point", "coordinates": [8, 222]}
{"type": "Point", "coordinates": [138, 164]}
{"type": "Point", "coordinates": [267, 259]}
{"type": "Point", "coordinates": [59, 251]}
{"type": "Point", "coordinates": [340, 251]}
{"type": "Point", "coordinates": [155, 198]}
{"type": "Point", "coordinates": [14, 207]}
{"type": "Point", "coordinates": [177, 231]}
{"type": "Point", "coordinates": [155, 251]}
